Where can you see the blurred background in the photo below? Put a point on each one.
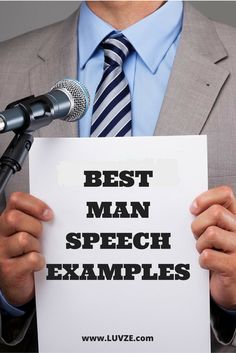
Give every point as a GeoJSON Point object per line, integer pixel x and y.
{"type": "Point", "coordinates": [17, 17]}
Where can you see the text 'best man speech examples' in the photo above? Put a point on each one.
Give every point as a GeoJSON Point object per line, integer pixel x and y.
{"type": "Point", "coordinates": [122, 272]}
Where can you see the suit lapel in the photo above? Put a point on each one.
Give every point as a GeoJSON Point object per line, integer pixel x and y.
{"type": "Point", "coordinates": [196, 80]}
{"type": "Point", "coordinates": [58, 61]}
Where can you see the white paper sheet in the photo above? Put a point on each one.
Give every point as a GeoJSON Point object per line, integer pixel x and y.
{"type": "Point", "coordinates": [124, 313]}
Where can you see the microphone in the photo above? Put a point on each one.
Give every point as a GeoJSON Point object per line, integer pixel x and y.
{"type": "Point", "coordinates": [67, 100]}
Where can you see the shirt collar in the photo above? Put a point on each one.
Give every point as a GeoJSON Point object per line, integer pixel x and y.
{"type": "Point", "coordinates": [92, 30]}
{"type": "Point", "coordinates": [162, 26]}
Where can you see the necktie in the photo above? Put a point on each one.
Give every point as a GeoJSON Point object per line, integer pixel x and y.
{"type": "Point", "coordinates": [112, 103]}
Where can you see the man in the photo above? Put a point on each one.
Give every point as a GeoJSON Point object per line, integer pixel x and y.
{"type": "Point", "coordinates": [190, 67]}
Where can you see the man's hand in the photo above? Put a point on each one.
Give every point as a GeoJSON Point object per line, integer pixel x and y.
{"type": "Point", "coordinates": [20, 230]}
{"type": "Point", "coordinates": [215, 231]}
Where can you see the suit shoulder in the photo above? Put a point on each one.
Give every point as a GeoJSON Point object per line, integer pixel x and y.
{"type": "Point", "coordinates": [227, 35]}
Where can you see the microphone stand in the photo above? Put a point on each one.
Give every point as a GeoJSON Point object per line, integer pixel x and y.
{"type": "Point", "coordinates": [38, 112]}
{"type": "Point", "coordinates": [14, 156]}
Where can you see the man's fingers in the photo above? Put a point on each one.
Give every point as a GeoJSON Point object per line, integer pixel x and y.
{"type": "Point", "coordinates": [19, 244]}
{"type": "Point", "coordinates": [215, 230]}
{"type": "Point", "coordinates": [30, 205]}
{"type": "Point", "coordinates": [24, 213]}
{"type": "Point", "coordinates": [222, 195]}
{"type": "Point", "coordinates": [20, 228]}
{"type": "Point", "coordinates": [14, 221]}
{"type": "Point", "coordinates": [216, 261]}
{"type": "Point", "coordinates": [23, 265]}
{"type": "Point", "coordinates": [217, 239]}
{"type": "Point", "coordinates": [214, 216]}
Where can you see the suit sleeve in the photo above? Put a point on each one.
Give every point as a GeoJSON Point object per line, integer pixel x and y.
{"type": "Point", "coordinates": [223, 326]}
{"type": "Point", "coordinates": [18, 334]}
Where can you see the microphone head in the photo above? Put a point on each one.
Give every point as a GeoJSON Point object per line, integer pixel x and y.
{"type": "Point", "coordinates": [78, 96]}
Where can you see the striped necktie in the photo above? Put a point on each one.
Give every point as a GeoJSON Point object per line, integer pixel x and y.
{"type": "Point", "coordinates": [112, 103]}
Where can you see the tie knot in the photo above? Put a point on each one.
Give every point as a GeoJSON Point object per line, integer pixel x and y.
{"type": "Point", "coordinates": [116, 49]}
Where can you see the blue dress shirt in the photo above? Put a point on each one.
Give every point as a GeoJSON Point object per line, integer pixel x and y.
{"type": "Point", "coordinates": [9, 309]}
{"type": "Point", "coordinates": [147, 69]}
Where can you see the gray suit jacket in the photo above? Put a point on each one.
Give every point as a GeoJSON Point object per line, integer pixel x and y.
{"type": "Point", "coordinates": [200, 99]}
